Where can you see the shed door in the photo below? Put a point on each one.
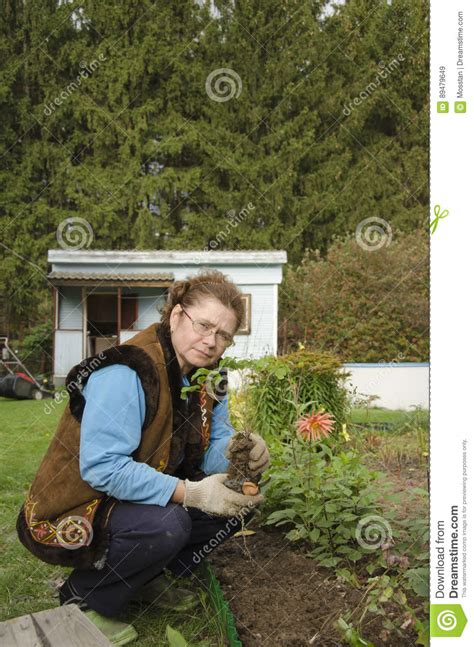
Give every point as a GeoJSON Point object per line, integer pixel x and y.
{"type": "Point", "coordinates": [129, 310]}
{"type": "Point", "coordinates": [102, 321]}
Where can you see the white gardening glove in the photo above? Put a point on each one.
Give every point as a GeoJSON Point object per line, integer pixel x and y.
{"type": "Point", "coordinates": [212, 496]}
{"type": "Point", "coordinates": [259, 457]}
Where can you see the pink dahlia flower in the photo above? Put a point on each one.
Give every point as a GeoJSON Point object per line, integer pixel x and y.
{"type": "Point", "coordinates": [315, 426]}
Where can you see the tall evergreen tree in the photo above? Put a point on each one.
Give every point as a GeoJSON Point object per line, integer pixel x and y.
{"type": "Point", "coordinates": [111, 108]}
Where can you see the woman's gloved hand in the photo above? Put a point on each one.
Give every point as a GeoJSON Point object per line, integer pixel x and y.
{"type": "Point", "coordinates": [212, 496]}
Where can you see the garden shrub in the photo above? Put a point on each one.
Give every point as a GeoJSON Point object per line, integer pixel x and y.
{"type": "Point", "coordinates": [367, 305]}
{"type": "Point", "coordinates": [279, 387]}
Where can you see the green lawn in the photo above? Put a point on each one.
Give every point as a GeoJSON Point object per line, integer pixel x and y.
{"type": "Point", "coordinates": [28, 583]}
{"type": "Point", "coordinates": [378, 415]}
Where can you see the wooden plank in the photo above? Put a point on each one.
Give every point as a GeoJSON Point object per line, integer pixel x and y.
{"type": "Point", "coordinates": [64, 626]}
{"type": "Point", "coordinates": [68, 626]}
{"type": "Point", "coordinates": [18, 632]}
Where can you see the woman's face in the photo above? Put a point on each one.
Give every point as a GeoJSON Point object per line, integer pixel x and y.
{"type": "Point", "coordinates": [193, 349]}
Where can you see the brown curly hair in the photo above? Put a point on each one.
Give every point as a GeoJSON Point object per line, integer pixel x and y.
{"type": "Point", "coordinates": [205, 284]}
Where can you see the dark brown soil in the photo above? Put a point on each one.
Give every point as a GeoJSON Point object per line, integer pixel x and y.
{"type": "Point", "coordinates": [279, 598]}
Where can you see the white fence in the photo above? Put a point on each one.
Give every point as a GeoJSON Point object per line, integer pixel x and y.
{"type": "Point", "coordinates": [400, 385]}
{"type": "Point", "coordinates": [397, 385]}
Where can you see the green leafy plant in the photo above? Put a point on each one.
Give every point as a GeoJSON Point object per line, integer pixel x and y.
{"type": "Point", "coordinates": [398, 578]}
{"type": "Point", "coordinates": [279, 385]}
{"type": "Point", "coordinates": [351, 635]}
{"type": "Point", "coordinates": [36, 349]}
{"type": "Point", "coordinates": [321, 495]}
{"type": "Point", "coordinates": [213, 376]}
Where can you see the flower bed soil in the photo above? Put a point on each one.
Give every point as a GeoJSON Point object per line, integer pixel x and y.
{"type": "Point", "coordinates": [280, 598]}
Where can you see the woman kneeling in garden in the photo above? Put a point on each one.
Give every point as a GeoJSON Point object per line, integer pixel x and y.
{"type": "Point", "coordinates": [133, 480]}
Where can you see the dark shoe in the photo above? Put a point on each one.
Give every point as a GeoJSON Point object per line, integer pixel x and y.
{"type": "Point", "coordinates": [164, 593]}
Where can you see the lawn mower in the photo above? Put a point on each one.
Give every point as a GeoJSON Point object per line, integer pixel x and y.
{"type": "Point", "coordinates": [21, 385]}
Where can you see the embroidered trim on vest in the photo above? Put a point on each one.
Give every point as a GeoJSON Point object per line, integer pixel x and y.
{"type": "Point", "coordinates": [162, 466]}
{"type": "Point", "coordinates": [206, 423]}
{"type": "Point", "coordinates": [71, 532]}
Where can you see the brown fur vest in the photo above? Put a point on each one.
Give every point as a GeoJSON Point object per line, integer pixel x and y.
{"type": "Point", "coordinates": [64, 520]}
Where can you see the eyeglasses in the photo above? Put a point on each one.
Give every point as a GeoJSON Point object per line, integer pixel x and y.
{"type": "Point", "coordinates": [204, 329]}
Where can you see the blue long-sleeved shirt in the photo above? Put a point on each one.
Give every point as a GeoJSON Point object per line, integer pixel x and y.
{"type": "Point", "coordinates": [111, 430]}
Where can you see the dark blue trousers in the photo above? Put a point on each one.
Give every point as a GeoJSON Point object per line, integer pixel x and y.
{"type": "Point", "coordinates": [145, 539]}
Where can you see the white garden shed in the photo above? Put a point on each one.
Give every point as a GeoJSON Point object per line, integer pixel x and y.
{"type": "Point", "coordinates": [103, 298]}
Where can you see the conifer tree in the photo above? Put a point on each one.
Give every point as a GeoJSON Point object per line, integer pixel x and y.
{"type": "Point", "coordinates": [112, 108]}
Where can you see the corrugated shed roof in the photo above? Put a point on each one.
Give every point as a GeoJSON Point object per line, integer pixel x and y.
{"type": "Point", "coordinates": [175, 257]}
{"type": "Point", "coordinates": [112, 276]}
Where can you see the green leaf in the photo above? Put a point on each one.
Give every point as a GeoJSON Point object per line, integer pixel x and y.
{"type": "Point", "coordinates": [423, 630]}
{"type": "Point", "coordinates": [324, 523]}
{"type": "Point", "coordinates": [281, 372]}
{"type": "Point", "coordinates": [351, 636]}
{"type": "Point", "coordinates": [344, 574]}
{"type": "Point", "coordinates": [295, 535]}
{"type": "Point", "coordinates": [314, 534]}
{"type": "Point", "coordinates": [418, 579]}
{"type": "Point", "coordinates": [329, 561]}
{"type": "Point", "coordinates": [419, 490]}
{"type": "Point", "coordinates": [280, 515]}
{"type": "Point", "coordinates": [386, 594]}
{"type": "Point", "coordinates": [175, 639]}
